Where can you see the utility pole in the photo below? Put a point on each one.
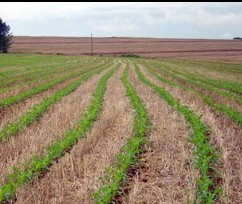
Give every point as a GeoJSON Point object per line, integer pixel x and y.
{"type": "Point", "coordinates": [91, 46]}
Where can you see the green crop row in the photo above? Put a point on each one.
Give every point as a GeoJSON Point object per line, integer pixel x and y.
{"type": "Point", "coordinates": [37, 73]}
{"type": "Point", "coordinates": [43, 67]}
{"type": "Point", "coordinates": [14, 81]}
{"type": "Point", "coordinates": [19, 62]}
{"type": "Point", "coordinates": [205, 155]}
{"type": "Point", "coordinates": [46, 78]}
{"type": "Point", "coordinates": [37, 111]}
{"type": "Point", "coordinates": [115, 174]}
{"type": "Point", "coordinates": [225, 109]}
{"type": "Point", "coordinates": [36, 90]}
{"type": "Point", "coordinates": [227, 85]}
{"type": "Point", "coordinates": [231, 67]}
{"type": "Point", "coordinates": [39, 164]}
{"type": "Point", "coordinates": [8, 82]}
{"type": "Point", "coordinates": [187, 79]}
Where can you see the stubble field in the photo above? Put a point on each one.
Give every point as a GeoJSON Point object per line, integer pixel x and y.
{"type": "Point", "coordinates": [82, 129]}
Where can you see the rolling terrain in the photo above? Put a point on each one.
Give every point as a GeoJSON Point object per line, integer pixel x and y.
{"type": "Point", "coordinates": [98, 129]}
{"type": "Point", "coordinates": [228, 50]}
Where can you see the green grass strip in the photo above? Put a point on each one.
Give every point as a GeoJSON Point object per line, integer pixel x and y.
{"type": "Point", "coordinates": [39, 164]}
{"type": "Point", "coordinates": [115, 174]}
{"type": "Point", "coordinates": [27, 94]}
{"type": "Point", "coordinates": [204, 154]}
{"type": "Point", "coordinates": [225, 109]}
{"type": "Point", "coordinates": [37, 111]}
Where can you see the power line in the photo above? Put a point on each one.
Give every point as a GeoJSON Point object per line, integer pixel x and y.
{"type": "Point", "coordinates": [91, 46]}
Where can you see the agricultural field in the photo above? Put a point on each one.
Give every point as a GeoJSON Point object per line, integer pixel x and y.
{"type": "Point", "coordinates": [99, 129]}
{"type": "Point", "coordinates": [229, 50]}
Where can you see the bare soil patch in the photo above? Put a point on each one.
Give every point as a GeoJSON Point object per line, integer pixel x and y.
{"type": "Point", "coordinates": [148, 47]}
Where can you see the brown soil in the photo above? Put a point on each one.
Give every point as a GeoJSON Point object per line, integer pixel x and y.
{"type": "Point", "coordinates": [150, 47]}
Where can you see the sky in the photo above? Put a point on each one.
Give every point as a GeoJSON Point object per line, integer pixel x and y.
{"type": "Point", "coordinates": [200, 20]}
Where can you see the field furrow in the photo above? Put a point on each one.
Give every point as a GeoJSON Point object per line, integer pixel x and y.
{"type": "Point", "coordinates": [30, 73]}
{"type": "Point", "coordinates": [37, 111]}
{"type": "Point", "coordinates": [120, 129]}
{"type": "Point", "coordinates": [164, 172]}
{"type": "Point", "coordinates": [221, 105]}
{"type": "Point", "coordinates": [50, 127]}
{"type": "Point", "coordinates": [38, 164]}
{"type": "Point", "coordinates": [204, 88]}
{"type": "Point", "coordinates": [225, 136]}
{"type": "Point", "coordinates": [217, 70]}
{"type": "Point", "coordinates": [43, 77]}
{"type": "Point", "coordinates": [88, 159]}
{"type": "Point", "coordinates": [114, 177]}
{"type": "Point", "coordinates": [17, 97]}
{"type": "Point", "coordinates": [234, 87]}
{"type": "Point", "coordinates": [10, 114]}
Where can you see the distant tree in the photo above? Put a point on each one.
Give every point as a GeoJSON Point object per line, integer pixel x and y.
{"type": "Point", "coordinates": [5, 36]}
{"type": "Point", "coordinates": [237, 38]}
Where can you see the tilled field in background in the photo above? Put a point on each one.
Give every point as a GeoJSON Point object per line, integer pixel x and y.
{"type": "Point", "coordinates": [226, 50]}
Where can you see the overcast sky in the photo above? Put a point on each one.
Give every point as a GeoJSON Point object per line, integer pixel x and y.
{"type": "Point", "coordinates": [172, 20]}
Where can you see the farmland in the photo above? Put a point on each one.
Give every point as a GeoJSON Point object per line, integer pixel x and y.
{"type": "Point", "coordinates": [212, 49]}
{"type": "Point", "coordinates": [103, 129]}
